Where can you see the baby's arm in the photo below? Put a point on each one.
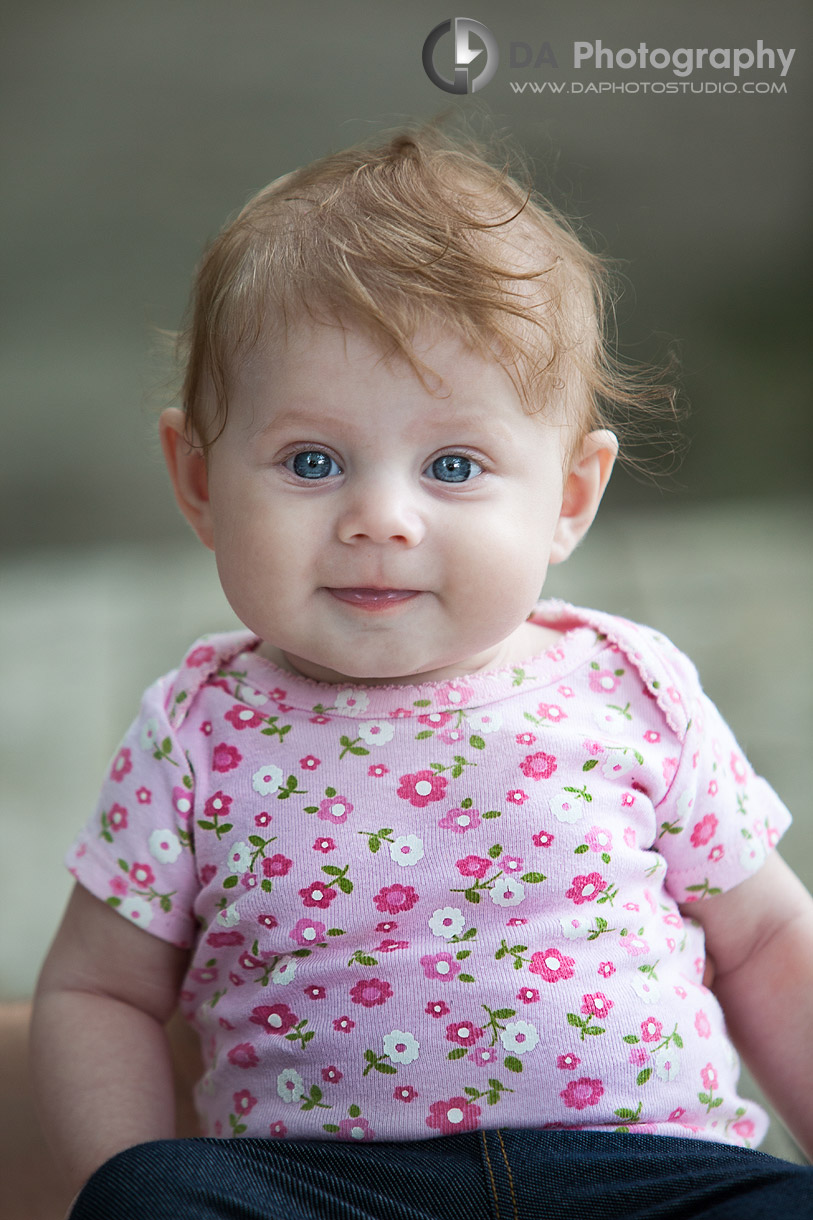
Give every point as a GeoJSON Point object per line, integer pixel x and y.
{"type": "Point", "coordinates": [760, 935]}
{"type": "Point", "coordinates": [100, 1058]}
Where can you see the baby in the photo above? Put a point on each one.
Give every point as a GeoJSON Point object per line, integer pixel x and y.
{"type": "Point", "coordinates": [432, 867]}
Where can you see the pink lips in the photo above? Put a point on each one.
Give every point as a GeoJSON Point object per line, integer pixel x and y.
{"type": "Point", "coordinates": [373, 599]}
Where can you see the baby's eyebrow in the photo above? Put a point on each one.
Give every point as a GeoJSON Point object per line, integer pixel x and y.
{"type": "Point", "coordinates": [305, 421]}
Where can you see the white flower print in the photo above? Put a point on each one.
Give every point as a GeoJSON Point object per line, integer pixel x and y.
{"type": "Point", "coordinates": [519, 1037]}
{"type": "Point", "coordinates": [149, 734]}
{"type": "Point", "coordinates": [447, 922]}
{"type": "Point", "coordinates": [353, 702]}
{"type": "Point", "coordinates": [376, 732]}
{"type": "Point", "coordinates": [406, 849]}
{"type": "Point", "coordinates": [617, 763]}
{"type": "Point", "coordinates": [506, 892]}
{"type": "Point", "coordinates": [229, 917]}
{"type": "Point", "coordinates": [485, 722]}
{"type": "Point", "coordinates": [401, 1047]}
{"type": "Point", "coordinates": [267, 779]}
{"type": "Point", "coordinates": [611, 718]}
{"type": "Point", "coordinates": [575, 927]}
{"type": "Point", "coordinates": [566, 807]}
{"type": "Point", "coordinates": [667, 1063]}
{"type": "Point", "coordinates": [238, 858]}
{"type": "Point", "coordinates": [284, 971]}
{"type": "Point", "coordinates": [254, 698]}
{"type": "Point", "coordinates": [645, 987]}
{"type": "Point", "coordinates": [164, 846]}
{"type": "Point", "coordinates": [752, 855]}
{"type": "Point", "coordinates": [290, 1085]}
{"type": "Point", "coordinates": [137, 910]}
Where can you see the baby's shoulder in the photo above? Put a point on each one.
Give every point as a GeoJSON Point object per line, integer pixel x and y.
{"type": "Point", "coordinates": [209, 659]}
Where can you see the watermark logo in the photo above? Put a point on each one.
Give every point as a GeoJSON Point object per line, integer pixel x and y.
{"type": "Point", "coordinates": [464, 55]}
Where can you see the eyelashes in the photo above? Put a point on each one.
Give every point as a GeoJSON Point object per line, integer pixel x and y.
{"type": "Point", "coordinates": [317, 464]}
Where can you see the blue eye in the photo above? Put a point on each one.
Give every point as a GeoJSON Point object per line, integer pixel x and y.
{"type": "Point", "coordinates": [312, 464]}
{"type": "Point", "coordinates": [454, 468]}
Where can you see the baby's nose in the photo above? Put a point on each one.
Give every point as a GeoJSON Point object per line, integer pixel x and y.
{"type": "Point", "coordinates": [380, 510]}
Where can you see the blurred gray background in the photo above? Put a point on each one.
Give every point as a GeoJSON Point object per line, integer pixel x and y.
{"type": "Point", "coordinates": [131, 131]}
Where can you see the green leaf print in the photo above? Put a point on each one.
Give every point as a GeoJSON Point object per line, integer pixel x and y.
{"type": "Point", "coordinates": [477, 742]}
{"type": "Point", "coordinates": [513, 1064]}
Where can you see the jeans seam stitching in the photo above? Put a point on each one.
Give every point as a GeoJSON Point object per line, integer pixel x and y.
{"type": "Point", "coordinates": [491, 1176]}
{"type": "Point", "coordinates": [510, 1175]}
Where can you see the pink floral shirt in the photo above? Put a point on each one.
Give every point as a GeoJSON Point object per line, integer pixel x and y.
{"type": "Point", "coordinates": [416, 910]}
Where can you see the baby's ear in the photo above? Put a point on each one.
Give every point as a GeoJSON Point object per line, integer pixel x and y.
{"type": "Point", "coordinates": [187, 470]}
{"type": "Point", "coordinates": [584, 486]}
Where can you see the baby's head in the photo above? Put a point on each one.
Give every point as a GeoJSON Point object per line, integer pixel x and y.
{"type": "Point", "coordinates": [392, 415]}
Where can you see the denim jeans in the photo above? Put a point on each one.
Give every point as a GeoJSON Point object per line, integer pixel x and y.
{"type": "Point", "coordinates": [517, 1174]}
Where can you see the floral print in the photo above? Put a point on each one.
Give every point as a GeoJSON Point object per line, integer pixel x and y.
{"type": "Point", "coordinates": [420, 910]}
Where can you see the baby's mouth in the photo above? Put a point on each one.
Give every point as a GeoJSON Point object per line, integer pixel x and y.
{"type": "Point", "coordinates": [373, 599]}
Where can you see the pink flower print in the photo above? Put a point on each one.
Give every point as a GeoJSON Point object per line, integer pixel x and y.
{"type": "Point", "coordinates": [324, 845]}
{"type": "Point", "coordinates": [525, 739]}
{"type": "Point", "coordinates": [669, 767]}
{"type": "Point", "coordinates": [454, 693]}
{"type": "Point", "coordinates": [702, 1024]}
{"type": "Point", "coordinates": [627, 800]}
{"type": "Point", "coordinates": [437, 1008]}
{"type": "Point", "coordinates": [320, 720]}
{"type": "Point", "coordinates": [568, 1062]}
{"type": "Point", "coordinates": [357, 1129]}
{"type": "Point", "coordinates": [392, 946]}
{"type": "Point", "coordinates": [594, 747]}
{"type": "Point", "coordinates": [651, 1030]}
{"type": "Point", "coordinates": [117, 817]}
{"type": "Point", "coordinates": [401, 713]}
{"type": "Point", "coordinates": [119, 886]}
{"type": "Point", "coordinates": [243, 1056]}
{"type": "Point", "coordinates": [307, 931]}
{"type": "Point", "coordinates": [606, 970]}
{"type": "Point", "coordinates": [388, 925]}
{"type": "Point", "coordinates": [456, 1114]}
{"type": "Point", "coordinates": [200, 655]}
{"type": "Point", "coordinates": [122, 764]}
{"type": "Point", "coordinates": [208, 873]}
{"type": "Point", "coordinates": [565, 691]}
{"type": "Point", "coordinates": [552, 712]}
{"type": "Point", "coordinates": [464, 1033]}
{"type": "Point", "coordinates": [704, 830]}
{"type": "Point", "coordinates": [262, 819]}
{"type": "Point", "coordinates": [516, 796]}
{"type": "Point", "coordinates": [343, 1025]}
{"type": "Point", "coordinates": [586, 888]}
{"type": "Point", "coordinates": [596, 1005]}
{"type": "Point", "coordinates": [481, 1056]}
{"type": "Point", "coordinates": [421, 788]}
{"type": "Point", "coordinates": [182, 802]}
{"type": "Point", "coordinates": [273, 1018]}
{"type": "Point", "coordinates": [309, 763]}
{"type": "Point", "coordinates": [511, 864]}
{"type": "Point", "coordinates": [376, 771]}
{"type": "Point", "coordinates": [603, 681]}
{"type": "Point", "coordinates": [538, 766]}
{"type": "Point", "coordinates": [712, 788]}
{"type": "Point", "coordinates": [638, 1056]}
{"type": "Point", "coordinates": [242, 717]}
{"type": "Point", "coordinates": [335, 809]}
{"type": "Point", "coordinates": [143, 796]}
{"type": "Point", "coordinates": [317, 894]}
{"type": "Point", "coordinates": [634, 945]}
{"type": "Point", "coordinates": [738, 768]}
{"type": "Point", "coordinates": [582, 1093]}
{"type": "Point", "coordinates": [224, 940]}
{"type": "Point", "coordinates": [630, 836]}
{"type": "Point", "coordinates": [405, 1092]}
{"type": "Point", "coordinates": [631, 906]}
{"type": "Point", "coordinates": [473, 866]}
{"type": "Point", "coordinates": [528, 995]}
{"type": "Point", "coordinates": [142, 874]}
{"type": "Point", "coordinates": [676, 1115]}
{"type": "Point", "coordinates": [460, 820]}
{"type": "Point", "coordinates": [552, 965]}
{"type": "Point", "coordinates": [450, 737]}
{"type": "Point", "coordinates": [543, 839]}
{"type": "Point", "coordinates": [708, 1074]}
{"type": "Point", "coordinates": [599, 839]}
{"type": "Point", "coordinates": [652, 736]}
{"type": "Point", "coordinates": [217, 804]}
{"type": "Point", "coordinates": [243, 1101]}
{"type": "Point", "coordinates": [515, 922]}
{"type": "Point", "coordinates": [267, 920]}
{"type": "Point", "coordinates": [206, 728]}
{"type": "Point", "coordinates": [370, 993]}
{"type": "Point", "coordinates": [440, 966]}
{"type": "Point", "coordinates": [331, 1075]}
{"type": "Point", "coordinates": [435, 720]}
{"type": "Point", "coordinates": [745, 1128]}
{"type": "Point", "coordinates": [717, 852]}
{"type": "Point", "coordinates": [225, 757]}
{"type": "Point", "coordinates": [278, 1129]}
{"type": "Point", "coordinates": [315, 992]}
{"type": "Point", "coordinates": [395, 898]}
{"type": "Point", "coordinates": [277, 866]}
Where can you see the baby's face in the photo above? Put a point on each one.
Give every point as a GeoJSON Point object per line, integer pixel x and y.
{"type": "Point", "coordinates": [367, 528]}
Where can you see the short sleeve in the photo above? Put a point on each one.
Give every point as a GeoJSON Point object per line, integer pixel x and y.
{"type": "Point", "coordinates": [718, 820]}
{"type": "Point", "coordinates": [137, 852]}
